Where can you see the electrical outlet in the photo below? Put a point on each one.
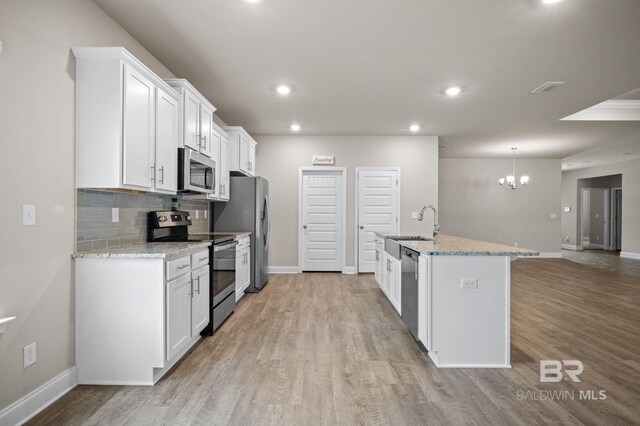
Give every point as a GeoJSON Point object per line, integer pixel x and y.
{"type": "Point", "coordinates": [469, 283]}
{"type": "Point", "coordinates": [414, 215]}
{"type": "Point", "coordinates": [597, 237]}
{"type": "Point", "coordinates": [567, 239]}
{"type": "Point", "coordinates": [515, 244]}
{"type": "Point", "coordinates": [553, 215]}
{"type": "Point", "coordinates": [29, 353]}
{"type": "Point", "coordinates": [205, 213]}
{"type": "Point", "coordinates": [197, 214]}
{"type": "Point", "coordinates": [115, 215]}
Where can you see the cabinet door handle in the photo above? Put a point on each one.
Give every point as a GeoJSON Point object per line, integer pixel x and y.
{"type": "Point", "coordinates": [204, 140]}
{"type": "Point", "coordinates": [153, 173]}
{"type": "Point", "coordinates": [417, 270]}
{"type": "Point", "coordinates": [191, 292]}
{"type": "Point", "coordinates": [182, 267]}
{"type": "Point", "coordinates": [198, 284]}
{"type": "Point", "coordinates": [162, 175]}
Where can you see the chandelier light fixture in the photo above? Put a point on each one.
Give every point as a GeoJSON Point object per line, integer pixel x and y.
{"type": "Point", "coordinates": [510, 180]}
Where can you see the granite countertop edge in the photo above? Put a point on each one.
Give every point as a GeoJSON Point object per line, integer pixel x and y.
{"type": "Point", "coordinates": [144, 251]}
{"type": "Point", "coordinates": [449, 245]}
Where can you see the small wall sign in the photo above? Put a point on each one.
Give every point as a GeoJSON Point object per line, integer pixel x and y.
{"type": "Point", "coordinates": [323, 160]}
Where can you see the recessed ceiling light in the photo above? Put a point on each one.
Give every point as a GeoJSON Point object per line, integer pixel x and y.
{"type": "Point", "coordinates": [283, 90]}
{"type": "Point", "coordinates": [414, 128]}
{"type": "Point", "coordinates": [295, 127]}
{"type": "Point", "coordinates": [253, 1]}
{"type": "Point", "coordinates": [453, 91]}
{"type": "Point", "coordinates": [624, 154]}
{"type": "Point", "coordinates": [569, 165]}
{"type": "Point", "coordinates": [551, 1]}
{"type": "Point", "coordinates": [445, 146]}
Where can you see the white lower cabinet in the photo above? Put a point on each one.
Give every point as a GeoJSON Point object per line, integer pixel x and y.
{"type": "Point", "coordinates": [136, 317]}
{"type": "Point", "coordinates": [243, 266]}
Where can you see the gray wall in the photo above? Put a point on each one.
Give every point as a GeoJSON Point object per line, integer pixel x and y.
{"type": "Point", "coordinates": [37, 116]}
{"type": "Point", "coordinates": [474, 205]}
{"type": "Point", "coordinates": [95, 229]}
{"type": "Point", "coordinates": [571, 185]}
{"type": "Point", "coordinates": [278, 159]}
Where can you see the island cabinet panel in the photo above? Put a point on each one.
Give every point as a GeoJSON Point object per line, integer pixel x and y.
{"type": "Point", "coordinates": [469, 326]}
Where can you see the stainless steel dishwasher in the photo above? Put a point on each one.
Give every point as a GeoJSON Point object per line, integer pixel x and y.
{"type": "Point", "coordinates": [409, 293]}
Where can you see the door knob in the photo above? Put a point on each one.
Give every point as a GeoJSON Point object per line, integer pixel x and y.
{"type": "Point", "coordinates": [304, 226]}
{"type": "Point", "coordinates": [361, 227]}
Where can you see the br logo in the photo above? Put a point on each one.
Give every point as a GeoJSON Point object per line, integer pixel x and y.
{"type": "Point", "coordinates": [551, 370]}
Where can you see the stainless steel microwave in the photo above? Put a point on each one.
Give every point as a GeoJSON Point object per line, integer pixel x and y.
{"type": "Point", "coordinates": [196, 173]}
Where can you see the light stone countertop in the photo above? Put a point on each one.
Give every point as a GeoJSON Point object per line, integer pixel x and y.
{"type": "Point", "coordinates": [448, 245]}
{"type": "Point", "coordinates": [144, 251]}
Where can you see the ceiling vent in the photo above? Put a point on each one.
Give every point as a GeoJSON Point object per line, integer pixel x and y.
{"type": "Point", "coordinates": [548, 86]}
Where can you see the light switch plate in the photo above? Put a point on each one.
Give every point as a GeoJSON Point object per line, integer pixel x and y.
{"type": "Point", "coordinates": [28, 215]}
{"type": "Point", "coordinates": [553, 216]}
{"type": "Point", "coordinates": [197, 214]}
{"type": "Point", "coordinates": [469, 283]}
{"type": "Point", "coordinates": [414, 215]}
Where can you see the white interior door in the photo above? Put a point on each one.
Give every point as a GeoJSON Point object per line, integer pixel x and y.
{"type": "Point", "coordinates": [322, 221]}
{"type": "Point", "coordinates": [378, 196]}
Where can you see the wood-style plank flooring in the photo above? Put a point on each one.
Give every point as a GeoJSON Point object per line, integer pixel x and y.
{"type": "Point", "coordinates": [319, 348]}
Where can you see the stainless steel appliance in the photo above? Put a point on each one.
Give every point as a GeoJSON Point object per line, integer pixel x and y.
{"type": "Point", "coordinates": [409, 290]}
{"type": "Point", "coordinates": [196, 172]}
{"type": "Point", "coordinates": [247, 211]}
{"type": "Point", "coordinates": [172, 226]}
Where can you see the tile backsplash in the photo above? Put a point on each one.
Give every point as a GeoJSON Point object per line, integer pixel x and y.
{"type": "Point", "coordinates": [95, 229]}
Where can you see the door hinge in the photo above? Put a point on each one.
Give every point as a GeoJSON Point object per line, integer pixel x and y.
{"type": "Point", "coordinates": [396, 182]}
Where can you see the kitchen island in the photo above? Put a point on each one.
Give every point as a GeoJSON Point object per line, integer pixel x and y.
{"type": "Point", "coordinates": [463, 296]}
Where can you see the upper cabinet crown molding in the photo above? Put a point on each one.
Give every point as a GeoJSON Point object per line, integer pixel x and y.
{"type": "Point", "coordinates": [106, 53]}
{"type": "Point", "coordinates": [181, 83]}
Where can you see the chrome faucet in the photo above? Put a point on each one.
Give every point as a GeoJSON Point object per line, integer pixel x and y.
{"type": "Point", "coordinates": [436, 228]}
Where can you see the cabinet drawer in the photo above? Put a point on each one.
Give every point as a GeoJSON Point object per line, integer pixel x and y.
{"type": "Point", "coordinates": [177, 267]}
{"type": "Point", "coordinates": [199, 258]}
{"type": "Point", "coordinates": [243, 242]}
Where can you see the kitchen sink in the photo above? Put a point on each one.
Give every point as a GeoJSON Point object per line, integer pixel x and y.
{"type": "Point", "coordinates": [411, 238]}
{"type": "Point", "coordinates": [392, 245]}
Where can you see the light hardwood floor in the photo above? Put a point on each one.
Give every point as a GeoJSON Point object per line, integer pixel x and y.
{"type": "Point", "coordinates": [330, 349]}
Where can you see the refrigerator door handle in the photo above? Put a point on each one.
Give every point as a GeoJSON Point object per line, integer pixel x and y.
{"type": "Point", "coordinates": [267, 225]}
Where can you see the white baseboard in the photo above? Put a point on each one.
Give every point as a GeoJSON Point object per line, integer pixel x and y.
{"type": "Point", "coordinates": [629, 255]}
{"type": "Point", "coordinates": [40, 398]}
{"type": "Point", "coordinates": [349, 270]}
{"type": "Point", "coordinates": [283, 269]}
{"type": "Point", "coordinates": [543, 255]}
{"type": "Point", "coordinates": [596, 246]}
{"type": "Point", "coordinates": [572, 247]}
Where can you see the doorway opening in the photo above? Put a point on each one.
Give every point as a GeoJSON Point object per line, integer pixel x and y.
{"type": "Point", "coordinates": [600, 213]}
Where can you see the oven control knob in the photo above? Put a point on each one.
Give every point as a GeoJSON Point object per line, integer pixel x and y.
{"type": "Point", "coordinates": [162, 219]}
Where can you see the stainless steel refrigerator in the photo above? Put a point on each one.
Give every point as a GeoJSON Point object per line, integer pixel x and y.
{"type": "Point", "coordinates": [247, 210]}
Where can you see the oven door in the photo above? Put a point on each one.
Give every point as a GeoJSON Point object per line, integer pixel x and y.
{"type": "Point", "coordinates": [196, 173]}
{"type": "Point", "coordinates": [224, 271]}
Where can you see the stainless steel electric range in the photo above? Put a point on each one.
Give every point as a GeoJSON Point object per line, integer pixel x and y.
{"type": "Point", "coordinates": [171, 226]}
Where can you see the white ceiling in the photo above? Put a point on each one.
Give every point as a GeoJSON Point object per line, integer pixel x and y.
{"type": "Point", "coordinates": [376, 66]}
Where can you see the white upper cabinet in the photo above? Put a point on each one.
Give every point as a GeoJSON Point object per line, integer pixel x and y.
{"type": "Point", "coordinates": [191, 120]}
{"type": "Point", "coordinates": [243, 151]}
{"type": "Point", "coordinates": [119, 137]}
{"type": "Point", "coordinates": [196, 118]}
{"type": "Point", "coordinates": [223, 179]}
{"type": "Point", "coordinates": [167, 135]}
